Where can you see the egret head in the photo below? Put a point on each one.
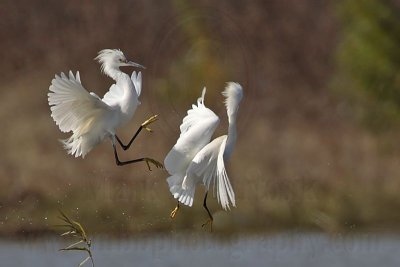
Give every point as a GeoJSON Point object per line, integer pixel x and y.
{"type": "Point", "coordinates": [233, 95]}
{"type": "Point", "coordinates": [112, 59]}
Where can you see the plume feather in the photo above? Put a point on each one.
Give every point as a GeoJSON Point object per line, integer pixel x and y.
{"type": "Point", "coordinates": [233, 94]}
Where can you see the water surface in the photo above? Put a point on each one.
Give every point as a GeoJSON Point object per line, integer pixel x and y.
{"type": "Point", "coordinates": [306, 250]}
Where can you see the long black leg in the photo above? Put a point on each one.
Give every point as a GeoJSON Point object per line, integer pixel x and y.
{"type": "Point", "coordinates": [210, 219]}
{"type": "Point", "coordinates": [144, 125]}
{"type": "Point", "coordinates": [147, 160]}
{"type": "Point", "coordinates": [125, 147]}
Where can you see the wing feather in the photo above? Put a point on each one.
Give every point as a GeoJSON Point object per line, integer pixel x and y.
{"type": "Point", "coordinates": [74, 109]}
{"type": "Point", "coordinates": [225, 193]}
{"type": "Point", "coordinates": [71, 104]}
{"type": "Point", "coordinates": [137, 81]}
{"type": "Point", "coordinates": [208, 167]}
{"type": "Point", "coordinates": [197, 129]}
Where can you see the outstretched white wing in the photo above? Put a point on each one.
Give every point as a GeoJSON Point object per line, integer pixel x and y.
{"type": "Point", "coordinates": [196, 131]}
{"type": "Point", "coordinates": [208, 167]}
{"type": "Point", "coordinates": [72, 106]}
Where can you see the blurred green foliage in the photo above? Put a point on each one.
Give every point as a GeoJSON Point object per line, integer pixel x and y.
{"type": "Point", "coordinates": [199, 63]}
{"type": "Point", "coordinates": [369, 57]}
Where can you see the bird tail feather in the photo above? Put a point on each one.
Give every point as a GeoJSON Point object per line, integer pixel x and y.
{"type": "Point", "coordinates": [77, 145]}
{"type": "Point", "coordinates": [185, 196]}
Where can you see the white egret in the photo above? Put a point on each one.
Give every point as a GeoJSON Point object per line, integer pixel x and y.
{"type": "Point", "coordinates": [92, 119]}
{"type": "Point", "coordinates": [195, 160]}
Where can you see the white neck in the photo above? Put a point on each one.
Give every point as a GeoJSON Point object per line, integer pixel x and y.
{"type": "Point", "coordinates": [232, 135]}
{"type": "Point", "coordinates": [112, 71]}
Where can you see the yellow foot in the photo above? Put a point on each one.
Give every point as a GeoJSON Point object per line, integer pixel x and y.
{"type": "Point", "coordinates": [210, 222]}
{"type": "Point", "coordinates": [155, 162]}
{"type": "Point", "coordinates": [148, 121]}
{"type": "Point", "coordinates": [173, 213]}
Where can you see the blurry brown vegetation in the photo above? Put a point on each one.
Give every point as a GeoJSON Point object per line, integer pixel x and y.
{"type": "Point", "coordinates": [303, 160]}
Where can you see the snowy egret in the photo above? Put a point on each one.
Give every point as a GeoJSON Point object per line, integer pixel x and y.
{"type": "Point", "coordinates": [195, 160]}
{"type": "Point", "coordinates": [92, 119]}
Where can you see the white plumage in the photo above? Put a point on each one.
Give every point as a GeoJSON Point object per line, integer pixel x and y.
{"type": "Point", "coordinates": [89, 118]}
{"type": "Point", "coordinates": [195, 160]}
{"type": "Point", "coordinates": [208, 168]}
{"type": "Point", "coordinates": [197, 129]}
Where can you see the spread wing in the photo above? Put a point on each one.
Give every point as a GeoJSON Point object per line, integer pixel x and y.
{"type": "Point", "coordinates": [208, 165]}
{"type": "Point", "coordinates": [72, 106]}
{"type": "Point", "coordinates": [196, 130]}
